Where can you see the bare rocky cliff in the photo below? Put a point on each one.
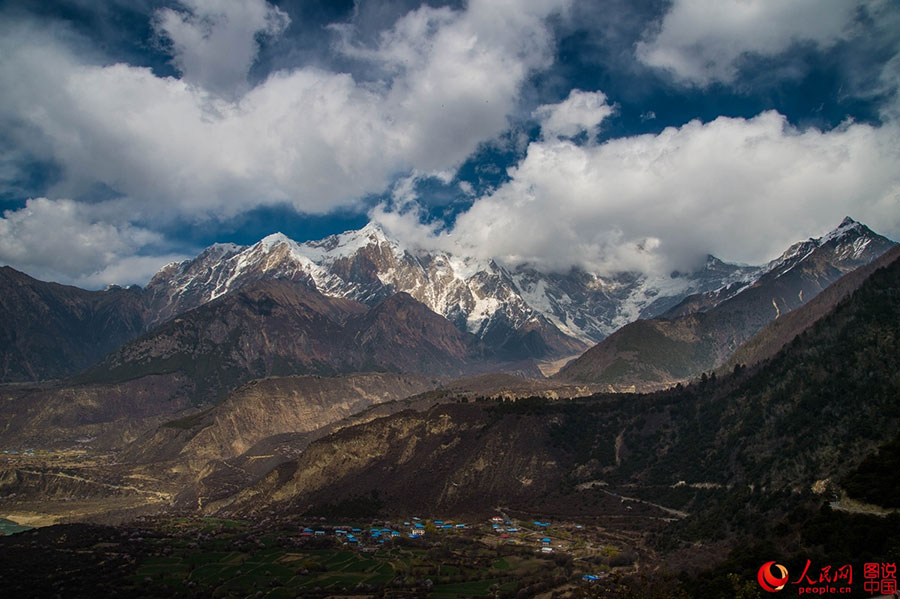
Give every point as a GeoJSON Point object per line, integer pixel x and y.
{"type": "Point", "coordinates": [268, 407]}
{"type": "Point", "coordinates": [99, 417]}
{"type": "Point", "coordinates": [454, 457]}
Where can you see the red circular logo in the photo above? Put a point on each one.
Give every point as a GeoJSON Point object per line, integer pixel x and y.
{"type": "Point", "coordinates": [769, 580]}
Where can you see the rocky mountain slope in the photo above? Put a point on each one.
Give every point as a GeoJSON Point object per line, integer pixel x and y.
{"type": "Point", "coordinates": [275, 327]}
{"type": "Point", "coordinates": [803, 417]}
{"type": "Point", "coordinates": [50, 331]}
{"type": "Point", "coordinates": [271, 406]}
{"type": "Point", "coordinates": [781, 331]}
{"type": "Point", "coordinates": [94, 416]}
{"type": "Point", "coordinates": [454, 455]}
{"type": "Point", "coordinates": [700, 333]}
{"type": "Point", "coordinates": [202, 447]}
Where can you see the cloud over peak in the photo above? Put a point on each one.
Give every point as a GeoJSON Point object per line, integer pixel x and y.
{"type": "Point", "coordinates": [742, 189]}
{"type": "Point", "coordinates": [208, 146]}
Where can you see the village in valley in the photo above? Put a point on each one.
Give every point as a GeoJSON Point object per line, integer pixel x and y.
{"type": "Point", "coordinates": [501, 556]}
{"type": "Point", "coordinates": [501, 531]}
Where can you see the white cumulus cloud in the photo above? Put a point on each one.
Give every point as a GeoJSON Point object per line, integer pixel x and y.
{"type": "Point", "coordinates": [214, 42]}
{"type": "Point", "coordinates": [701, 41]}
{"type": "Point", "coordinates": [207, 145]}
{"type": "Point", "coordinates": [62, 240]}
{"type": "Point", "coordinates": [441, 82]}
{"type": "Point", "coordinates": [580, 111]}
{"type": "Point", "coordinates": [313, 138]}
{"type": "Point", "coordinates": [742, 189]}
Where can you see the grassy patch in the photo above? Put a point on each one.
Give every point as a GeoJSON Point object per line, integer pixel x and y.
{"type": "Point", "coordinates": [501, 564]}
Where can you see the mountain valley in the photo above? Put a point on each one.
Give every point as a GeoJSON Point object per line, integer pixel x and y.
{"type": "Point", "coordinates": [274, 403]}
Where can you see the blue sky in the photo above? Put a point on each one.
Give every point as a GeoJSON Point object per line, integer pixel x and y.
{"type": "Point", "coordinates": [609, 135]}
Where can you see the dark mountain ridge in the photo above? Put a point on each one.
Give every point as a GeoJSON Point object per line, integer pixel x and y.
{"type": "Point", "coordinates": [700, 334]}
{"type": "Point", "coordinates": [276, 328]}
{"type": "Point", "coordinates": [50, 331]}
{"type": "Point", "coordinates": [770, 339]}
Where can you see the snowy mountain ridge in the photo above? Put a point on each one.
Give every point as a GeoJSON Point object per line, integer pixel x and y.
{"type": "Point", "coordinates": [558, 312]}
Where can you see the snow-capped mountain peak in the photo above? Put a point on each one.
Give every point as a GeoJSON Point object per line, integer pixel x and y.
{"type": "Point", "coordinates": [348, 243]}
{"type": "Point", "coordinates": [848, 224]}
{"type": "Point", "coordinates": [502, 305]}
{"type": "Point", "coordinates": [851, 238]}
{"type": "Point", "coordinates": [274, 240]}
{"type": "Point", "coordinates": [849, 241]}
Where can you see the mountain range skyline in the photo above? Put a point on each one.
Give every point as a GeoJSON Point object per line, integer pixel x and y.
{"type": "Point", "coordinates": [463, 314]}
{"type": "Point", "coordinates": [227, 247]}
